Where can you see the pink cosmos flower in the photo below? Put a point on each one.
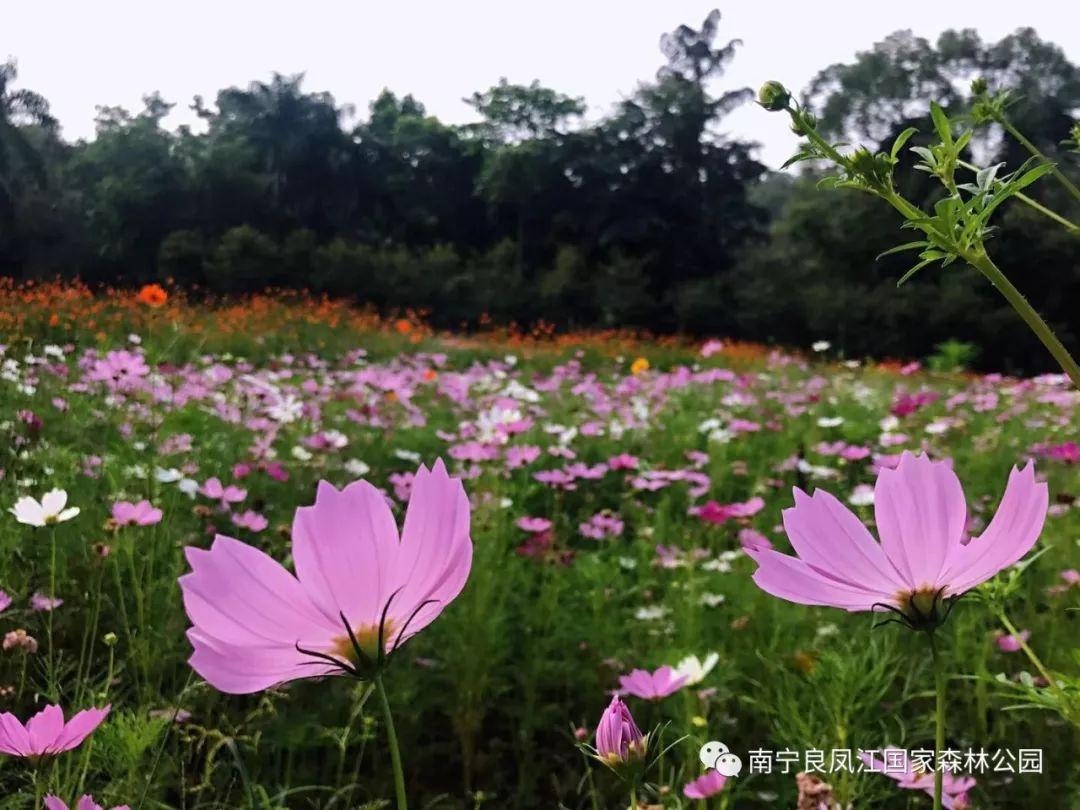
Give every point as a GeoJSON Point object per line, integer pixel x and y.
{"type": "Point", "coordinates": [41, 602]}
{"type": "Point", "coordinates": [5, 601]}
{"type": "Point", "coordinates": [1011, 643]}
{"type": "Point", "coordinates": [713, 512]}
{"type": "Point", "coordinates": [213, 488]}
{"type": "Point", "coordinates": [652, 685]}
{"type": "Point", "coordinates": [617, 736]}
{"type": "Point", "coordinates": [533, 524]}
{"type": "Point", "coordinates": [142, 513]}
{"type": "Point", "coordinates": [357, 583]}
{"type": "Point", "coordinates": [924, 556]}
{"type": "Point", "coordinates": [46, 733]}
{"type": "Point", "coordinates": [704, 786]}
{"type": "Point", "coordinates": [85, 803]}
{"type": "Point", "coordinates": [954, 793]}
{"type": "Point", "coordinates": [250, 520]}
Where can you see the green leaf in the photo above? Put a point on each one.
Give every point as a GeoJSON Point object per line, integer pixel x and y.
{"type": "Point", "coordinates": [941, 122]}
{"type": "Point", "coordinates": [904, 278]}
{"type": "Point", "coordinates": [791, 161]}
{"type": "Point", "coordinates": [901, 139]}
{"type": "Point", "coordinates": [902, 248]}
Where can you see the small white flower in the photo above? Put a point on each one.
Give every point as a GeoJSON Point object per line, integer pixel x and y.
{"type": "Point", "coordinates": [408, 455]}
{"type": "Point", "coordinates": [862, 495]}
{"type": "Point", "coordinates": [712, 599]}
{"type": "Point", "coordinates": [718, 565]}
{"type": "Point", "coordinates": [821, 346]}
{"type": "Point", "coordinates": [830, 421]}
{"type": "Point", "coordinates": [696, 670]}
{"type": "Point", "coordinates": [650, 614]}
{"type": "Point", "coordinates": [627, 563]}
{"type": "Point", "coordinates": [189, 486]}
{"type": "Point", "coordinates": [301, 453]}
{"type": "Point", "coordinates": [889, 424]}
{"type": "Point", "coordinates": [167, 476]}
{"type": "Point", "coordinates": [355, 466]}
{"type": "Point", "coordinates": [49, 511]}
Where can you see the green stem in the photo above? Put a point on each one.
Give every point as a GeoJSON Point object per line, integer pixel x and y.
{"type": "Point", "coordinates": [985, 265]}
{"type": "Point", "coordinates": [391, 739]}
{"type": "Point", "coordinates": [939, 722]}
{"type": "Point", "coordinates": [54, 692]}
{"type": "Point", "coordinates": [1034, 150]}
{"type": "Point", "coordinates": [633, 797]}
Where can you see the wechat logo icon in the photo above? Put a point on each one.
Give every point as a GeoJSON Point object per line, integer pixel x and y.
{"type": "Point", "coordinates": [716, 755]}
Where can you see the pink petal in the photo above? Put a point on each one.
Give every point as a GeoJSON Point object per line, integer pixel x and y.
{"type": "Point", "coordinates": [239, 594]}
{"type": "Point", "coordinates": [344, 547]}
{"type": "Point", "coordinates": [242, 669]}
{"type": "Point", "coordinates": [45, 728]}
{"type": "Point", "coordinates": [792, 579]}
{"type": "Point", "coordinates": [53, 803]}
{"type": "Point", "coordinates": [921, 514]}
{"type": "Point", "coordinates": [436, 550]}
{"type": "Point", "coordinates": [828, 536]}
{"type": "Point", "coordinates": [14, 738]}
{"type": "Point", "coordinates": [78, 728]}
{"type": "Point", "coordinates": [1011, 534]}
{"type": "Point", "coordinates": [88, 803]}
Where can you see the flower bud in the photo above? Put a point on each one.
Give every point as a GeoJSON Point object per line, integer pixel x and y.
{"type": "Point", "coordinates": [773, 96]}
{"type": "Point", "coordinates": [978, 86]}
{"type": "Point", "coordinates": [618, 739]}
{"type": "Point", "coordinates": [109, 639]}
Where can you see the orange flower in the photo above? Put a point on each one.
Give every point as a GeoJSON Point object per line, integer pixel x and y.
{"type": "Point", "coordinates": [639, 366]}
{"type": "Point", "coordinates": [430, 375]}
{"type": "Point", "coordinates": [403, 326]}
{"type": "Point", "coordinates": [153, 295]}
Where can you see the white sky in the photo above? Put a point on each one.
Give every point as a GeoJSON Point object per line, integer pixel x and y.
{"type": "Point", "coordinates": [80, 54]}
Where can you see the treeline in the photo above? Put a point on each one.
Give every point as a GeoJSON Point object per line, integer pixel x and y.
{"type": "Point", "coordinates": [649, 217]}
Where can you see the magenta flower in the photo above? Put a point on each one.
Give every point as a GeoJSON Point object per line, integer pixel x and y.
{"type": "Point", "coordinates": [250, 520]}
{"type": "Point", "coordinates": [357, 584]}
{"type": "Point", "coordinates": [214, 489]}
{"type": "Point", "coordinates": [652, 685]}
{"type": "Point", "coordinates": [704, 786]}
{"type": "Point", "coordinates": [1013, 643]}
{"type": "Point", "coordinates": [924, 556]}
{"type": "Point", "coordinates": [46, 734]}
{"type": "Point", "coordinates": [617, 736]}
{"type": "Point", "coordinates": [5, 601]}
{"type": "Point", "coordinates": [85, 803]}
{"type": "Point", "coordinates": [533, 524]}
{"type": "Point", "coordinates": [954, 793]}
{"type": "Point", "coordinates": [142, 513]}
{"type": "Point", "coordinates": [41, 602]}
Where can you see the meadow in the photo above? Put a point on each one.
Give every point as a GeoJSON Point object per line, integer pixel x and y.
{"type": "Point", "coordinates": [615, 484]}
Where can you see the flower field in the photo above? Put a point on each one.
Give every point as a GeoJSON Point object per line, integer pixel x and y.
{"type": "Point", "coordinates": [610, 519]}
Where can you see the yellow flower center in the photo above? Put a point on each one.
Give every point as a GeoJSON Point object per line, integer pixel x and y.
{"type": "Point", "coordinates": [367, 637]}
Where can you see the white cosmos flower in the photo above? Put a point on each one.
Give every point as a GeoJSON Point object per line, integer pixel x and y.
{"type": "Point", "coordinates": [695, 669]}
{"type": "Point", "coordinates": [189, 486]}
{"type": "Point", "coordinates": [862, 495]}
{"type": "Point", "coordinates": [821, 345]}
{"type": "Point", "coordinates": [830, 421]}
{"type": "Point", "coordinates": [167, 476]}
{"type": "Point", "coordinates": [50, 510]}
{"type": "Point", "coordinates": [356, 467]}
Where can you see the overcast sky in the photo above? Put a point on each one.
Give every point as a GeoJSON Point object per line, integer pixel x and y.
{"type": "Point", "coordinates": [81, 53]}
